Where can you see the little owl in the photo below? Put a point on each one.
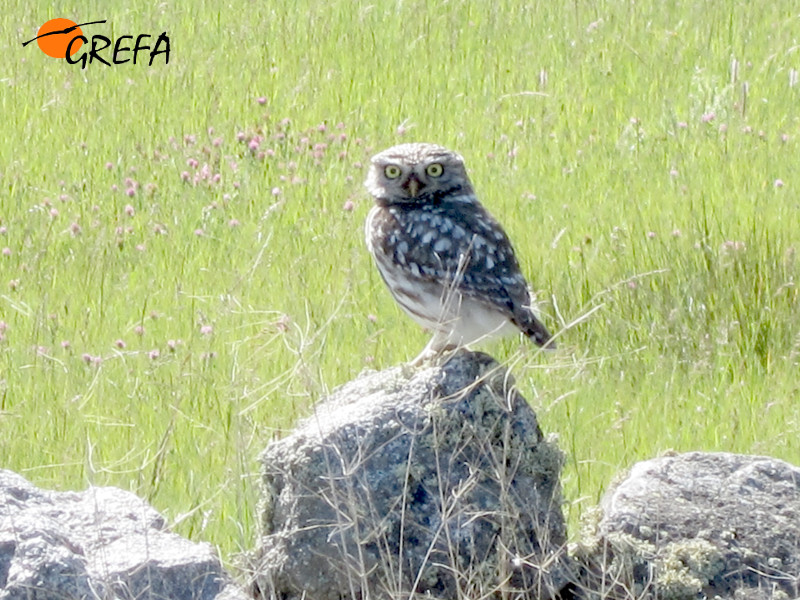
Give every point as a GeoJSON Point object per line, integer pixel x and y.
{"type": "Point", "coordinates": [445, 259]}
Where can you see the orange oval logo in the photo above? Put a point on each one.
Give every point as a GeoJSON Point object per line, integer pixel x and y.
{"type": "Point", "coordinates": [56, 34]}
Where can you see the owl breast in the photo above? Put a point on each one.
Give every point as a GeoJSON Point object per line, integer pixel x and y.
{"type": "Point", "coordinates": [448, 267]}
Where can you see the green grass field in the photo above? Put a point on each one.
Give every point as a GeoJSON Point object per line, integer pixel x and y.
{"type": "Point", "coordinates": [182, 266]}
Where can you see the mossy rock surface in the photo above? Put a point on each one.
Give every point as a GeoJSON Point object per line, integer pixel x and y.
{"type": "Point", "coordinates": [435, 480]}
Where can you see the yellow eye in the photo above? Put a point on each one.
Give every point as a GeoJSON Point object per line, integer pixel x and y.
{"type": "Point", "coordinates": [392, 171]}
{"type": "Point", "coordinates": [435, 170]}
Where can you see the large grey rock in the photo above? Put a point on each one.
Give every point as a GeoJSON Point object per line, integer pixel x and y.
{"type": "Point", "coordinates": [699, 525]}
{"type": "Point", "coordinates": [102, 543]}
{"type": "Point", "coordinates": [435, 480]}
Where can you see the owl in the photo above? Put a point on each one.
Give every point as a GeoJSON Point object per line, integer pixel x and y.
{"type": "Point", "coordinates": [446, 260]}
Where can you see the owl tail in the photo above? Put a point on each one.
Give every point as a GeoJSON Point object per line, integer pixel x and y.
{"type": "Point", "coordinates": [533, 328]}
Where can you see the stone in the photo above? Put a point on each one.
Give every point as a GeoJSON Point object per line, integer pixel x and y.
{"type": "Point", "coordinates": [435, 480]}
{"type": "Point", "coordinates": [101, 543]}
{"type": "Point", "coordinates": [698, 525]}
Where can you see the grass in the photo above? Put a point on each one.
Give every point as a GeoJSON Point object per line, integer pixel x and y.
{"type": "Point", "coordinates": [161, 325]}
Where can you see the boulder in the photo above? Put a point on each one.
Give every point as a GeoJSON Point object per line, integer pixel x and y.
{"type": "Point", "coordinates": [698, 525]}
{"type": "Point", "coordinates": [433, 481]}
{"type": "Point", "coordinates": [101, 543]}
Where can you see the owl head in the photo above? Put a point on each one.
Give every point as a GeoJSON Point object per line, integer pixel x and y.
{"type": "Point", "coordinates": [416, 173]}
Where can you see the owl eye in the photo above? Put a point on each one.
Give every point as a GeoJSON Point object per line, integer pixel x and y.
{"type": "Point", "coordinates": [434, 170]}
{"type": "Point", "coordinates": [392, 171]}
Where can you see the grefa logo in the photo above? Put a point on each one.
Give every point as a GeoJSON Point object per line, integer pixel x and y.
{"type": "Point", "coordinates": [63, 38]}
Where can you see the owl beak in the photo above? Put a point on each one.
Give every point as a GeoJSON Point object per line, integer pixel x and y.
{"type": "Point", "coordinates": [412, 186]}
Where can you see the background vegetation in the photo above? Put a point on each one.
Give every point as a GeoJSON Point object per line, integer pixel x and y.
{"type": "Point", "coordinates": [182, 271]}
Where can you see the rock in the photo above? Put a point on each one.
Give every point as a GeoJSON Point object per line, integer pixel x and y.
{"type": "Point", "coordinates": [102, 543]}
{"type": "Point", "coordinates": [698, 525]}
{"type": "Point", "coordinates": [435, 480]}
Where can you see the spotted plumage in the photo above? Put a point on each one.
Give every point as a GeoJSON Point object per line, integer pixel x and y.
{"type": "Point", "coordinates": [445, 259]}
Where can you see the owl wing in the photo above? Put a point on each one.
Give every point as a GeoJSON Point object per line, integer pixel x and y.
{"type": "Point", "coordinates": [460, 245]}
